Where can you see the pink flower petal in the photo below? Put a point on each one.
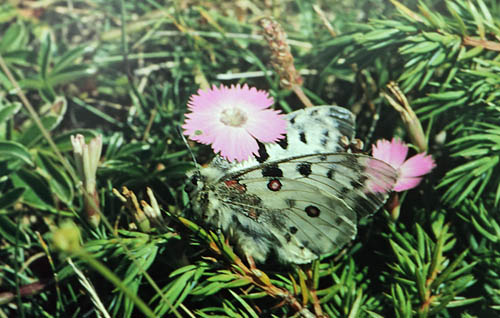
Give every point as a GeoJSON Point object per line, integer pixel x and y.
{"type": "Point", "coordinates": [394, 152]}
{"type": "Point", "coordinates": [252, 97]}
{"type": "Point", "coordinates": [235, 145]}
{"type": "Point", "coordinates": [406, 183]}
{"type": "Point", "coordinates": [409, 171]}
{"type": "Point", "coordinates": [196, 123]}
{"type": "Point", "coordinates": [267, 125]}
{"type": "Point", "coordinates": [417, 165]}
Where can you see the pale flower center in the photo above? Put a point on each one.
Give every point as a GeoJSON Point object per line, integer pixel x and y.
{"type": "Point", "coordinates": [233, 117]}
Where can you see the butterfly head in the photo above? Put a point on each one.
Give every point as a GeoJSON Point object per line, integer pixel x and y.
{"type": "Point", "coordinates": [200, 178]}
{"type": "Point", "coordinates": [199, 184]}
{"type": "Point", "coordinates": [195, 182]}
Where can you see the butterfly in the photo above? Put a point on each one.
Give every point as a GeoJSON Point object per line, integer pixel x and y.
{"type": "Point", "coordinates": [301, 197]}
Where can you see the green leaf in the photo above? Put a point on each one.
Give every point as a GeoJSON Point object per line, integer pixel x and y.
{"type": "Point", "coordinates": [208, 289]}
{"type": "Point", "coordinates": [453, 9]}
{"type": "Point", "coordinates": [449, 95]}
{"type": "Point", "coordinates": [10, 197]}
{"type": "Point", "coordinates": [8, 12]}
{"type": "Point", "coordinates": [434, 19]}
{"type": "Point", "coordinates": [438, 58]}
{"type": "Point", "coordinates": [10, 150]}
{"type": "Point", "coordinates": [438, 37]}
{"type": "Point", "coordinates": [478, 19]}
{"type": "Point", "coordinates": [20, 57]}
{"type": "Point", "coordinates": [44, 55]}
{"type": "Point", "coordinates": [174, 292]}
{"type": "Point", "coordinates": [69, 58]}
{"type": "Point", "coordinates": [132, 149]}
{"type": "Point", "coordinates": [463, 302]}
{"type": "Point", "coordinates": [470, 53]}
{"type": "Point", "coordinates": [8, 230]}
{"type": "Point", "coordinates": [245, 305]}
{"type": "Point", "coordinates": [413, 70]}
{"type": "Point", "coordinates": [7, 111]}
{"type": "Point", "coordinates": [59, 181]}
{"type": "Point", "coordinates": [182, 270]}
{"type": "Point", "coordinates": [373, 314]}
{"type": "Point", "coordinates": [446, 274]}
{"type": "Point", "coordinates": [70, 74]}
{"type": "Point", "coordinates": [420, 48]}
{"type": "Point", "coordinates": [497, 195]}
{"type": "Point", "coordinates": [376, 35]}
{"type": "Point", "coordinates": [145, 256]}
{"type": "Point", "coordinates": [32, 135]}
{"type": "Point", "coordinates": [37, 194]}
{"type": "Point", "coordinates": [13, 38]}
{"type": "Point", "coordinates": [483, 231]}
{"type": "Point", "coordinates": [127, 168]}
{"type": "Point", "coordinates": [240, 282]}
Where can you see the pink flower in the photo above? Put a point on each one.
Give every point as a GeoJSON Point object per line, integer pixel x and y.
{"type": "Point", "coordinates": [410, 172]}
{"type": "Point", "coordinates": [232, 119]}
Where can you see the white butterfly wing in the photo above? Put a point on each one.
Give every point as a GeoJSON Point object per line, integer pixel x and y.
{"type": "Point", "coordinates": [311, 204]}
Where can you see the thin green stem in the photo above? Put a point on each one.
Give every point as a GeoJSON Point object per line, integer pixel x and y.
{"type": "Point", "coordinates": [16, 268]}
{"type": "Point", "coordinates": [141, 104]}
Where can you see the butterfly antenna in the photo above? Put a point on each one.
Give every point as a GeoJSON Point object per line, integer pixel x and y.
{"type": "Point", "coordinates": [187, 146]}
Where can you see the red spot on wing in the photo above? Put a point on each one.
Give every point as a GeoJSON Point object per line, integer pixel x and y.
{"type": "Point", "coordinates": [274, 185]}
{"type": "Point", "coordinates": [236, 185]}
{"type": "Point", "coordinates": [253, 214]}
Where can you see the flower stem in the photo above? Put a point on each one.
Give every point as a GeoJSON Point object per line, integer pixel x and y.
{"type": "Point", "coordinates": [297, 89]}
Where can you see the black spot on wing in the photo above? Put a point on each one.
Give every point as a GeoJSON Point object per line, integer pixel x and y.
{"type": "Point", "coordinates": [312, 211]}
{"type": "Point", "coordinates": [330, 174]}
{"type": "Point", "coordinates": [291, 203]}
{"type": "Point", "coordinates": [288, 237]}
{"type": "Point", "coordinates": [292, 120]}
{"type": "Point", "coordinates": [345, 190]}
{"type": "Point", "coordinates": [303, 137]}
{"type": "Point", "coordinates": [304, 169]}
{"type": "Point", "coordinates": [293, 229]}
{"type": "Point", "coordinates": [283, 143]}
{"type": "Point", "coordinates": [262, 154]}
{"type": "Point", "coordinates": [272, 171]}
